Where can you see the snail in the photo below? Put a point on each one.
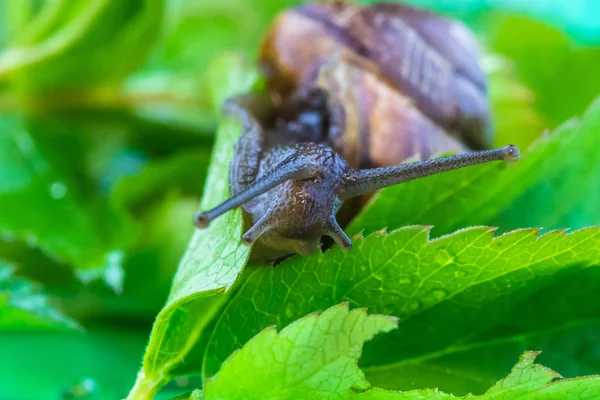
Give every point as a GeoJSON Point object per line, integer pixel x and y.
{"type": "Point", "coordinates": [352, 92]}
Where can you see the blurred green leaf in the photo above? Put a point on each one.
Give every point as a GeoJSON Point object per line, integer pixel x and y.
{"type": "Point", "coordinates": [195, 395]}
{"type": "Point", "coordinates": [94, 154]}
{"type": "Point", "coordinates": [515, 117]}
{"type": "Point", "coordinates": [173, 101]}
{"type": "Point", "coordinates": [185, 171]}
{"type": "Point", "coordinates": [150, 266]}
{"type": "Point", "coordinates": [429, 284]}
{"type": "Point", "coordinates": [70, 45]}
{"type": "Point", "coordinates": [576, 17]}
{"type": "Point", "coordinates": [212, 262]}
{"type": "Point", "coordinates": [46, 364]}
{"type": "Point", "coordinates": [549, 62]}
{"type": "Point", "coordinates": [195, 32]}
{"type": "Point", "coordinates": [34, 264]}
{"type": "Point", "coordinates": [314, 357]}
{"type": "Point", "coordinates": [23, 306]}
{"type": "Point", "coordinates": [566, 195]}
{"type": "Point", "coordinates": [46, 202]}
{"type": "Point", "coordinates": [547, 183]}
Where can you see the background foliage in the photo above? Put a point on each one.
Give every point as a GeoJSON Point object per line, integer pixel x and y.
{"type": "Point", "coordinates": [108, 114]}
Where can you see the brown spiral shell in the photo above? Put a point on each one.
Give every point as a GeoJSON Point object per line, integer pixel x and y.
{"type": "Point", "coordinates": [402, 82]}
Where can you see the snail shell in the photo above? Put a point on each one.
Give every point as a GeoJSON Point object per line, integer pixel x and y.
{"type": "Point", "coordinates": [403, 82]}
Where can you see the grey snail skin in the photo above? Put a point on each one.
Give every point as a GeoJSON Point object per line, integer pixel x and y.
{"type": "Point", "coordinates": [353, 91]}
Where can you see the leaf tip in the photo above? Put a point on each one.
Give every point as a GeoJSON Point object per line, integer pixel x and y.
{"type": "Point", "coordinates": [533, 232]}
{"type": "Point", "coordinates": [592, 108]}
{"type": "Point", "coordinates": [585, 230]}
{"type": "Point", "coordinates": [482, 229]}
{"type": "Point", "coordinates": [359, 235]}
{"type": "Point", "coordinates": [392, 322]}
{"type": "Point", "coordinates": [527, 360]}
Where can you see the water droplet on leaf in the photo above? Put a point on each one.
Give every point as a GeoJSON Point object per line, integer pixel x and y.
{"type": "Point", "coordinates": [290, 310]}
{"type": "Point", "coordinates": [443, 258]}
{"type": "Point", "coordinates": [58, 190]}
{"type": "Point", "coordinates": [114, 273]}
{"type": "Point", "coordinates": [439, 294]}
{"type": "Point", "coordinates": [31, 240]}
{"type": "Point", "coordinates": [413, 305]}
{"type": "Point", "coordinates": [86, 389]}
{"type": "Point", "coordinates": [404, 280]}
{"type": "Point", "coordinates": [7, 236]}
{"type": "Point", "coordinates": [182, 381]}
{"type": "Point", "coordinates": [460, 273]}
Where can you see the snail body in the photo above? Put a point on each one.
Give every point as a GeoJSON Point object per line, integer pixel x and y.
{"type": "Point", "coordinates": [353, 91]}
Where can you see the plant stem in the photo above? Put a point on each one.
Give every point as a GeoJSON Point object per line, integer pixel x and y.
{"type": "Point", "coordinates": [146, 387]}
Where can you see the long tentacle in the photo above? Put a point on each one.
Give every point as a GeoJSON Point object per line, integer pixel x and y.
{"type": "Point", "coordinates": [369, 180]}
{"type": "Point", "coordinates": [293, 167]}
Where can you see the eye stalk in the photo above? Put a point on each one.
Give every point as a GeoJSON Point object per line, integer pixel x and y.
{"type": "Point", "coordinates": [297, 167]}
{"type": "Point", "coordinates": [511, 153]}
{"type": "Point", "coordinates": [366, 181]}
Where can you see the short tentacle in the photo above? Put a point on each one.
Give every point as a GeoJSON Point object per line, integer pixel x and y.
{"type": "Point", "coordinates": [337, 233]}
{"type": "Point", "coordinates": [264, 224]}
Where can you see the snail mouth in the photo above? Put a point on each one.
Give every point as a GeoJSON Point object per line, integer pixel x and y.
{"type": "Point", "coordinates": [304, 246]}
{"type": "Point", "coordinates": [307, 247]}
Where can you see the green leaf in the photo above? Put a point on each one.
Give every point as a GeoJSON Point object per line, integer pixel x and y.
{"type": "Point", "coordinates": [314, 357]}
{"type": "Point", "coordinates": [23, 306]}
{"type": "Point", "coordinates": [515, 118]}
{"type": "Point", "coordinates": [541, 53]}
{"type": "Point", "coordinates": [548, 187]}
{"type": "Point", "coordinates": [104, 357]}
{"type": "Point", "coordinates": [194, 32]}
{"type": "Point", "coordinates": [469, 277]}
{"type": "Point", "coordinates": [195, 395]}
{"type": "Point", "coordinates": [577, 18]}
{"type": "Point", "coordinates": [151, 264]}
{"type": "Point", "coordinates": [67, 45]}
{"type": "Point", "coordinates": [561, 319]}
{"type": "Point", "coordinates": [185, 171]}
{"type": "Point", "coordinates": [525, 381]}
{"type": "Point", "coordinates": [567, 193]}
{"type": "Point", "coordinates": [211, 264]}
{"type": "Point", "coordinates": [47, 202]}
